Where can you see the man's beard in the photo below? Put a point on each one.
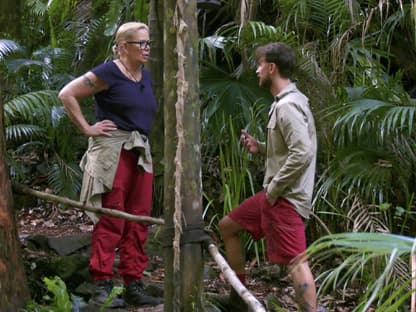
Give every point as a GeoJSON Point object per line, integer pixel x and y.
{"type": "Point", "coordinates": [266, 83]}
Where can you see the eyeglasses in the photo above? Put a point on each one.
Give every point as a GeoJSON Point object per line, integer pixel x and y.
{"type": "Point", "coordinates": [143, 44]}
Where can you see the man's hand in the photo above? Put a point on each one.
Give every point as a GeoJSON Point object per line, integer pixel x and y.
{"type": "Point", "coordinates": [249, 142]}
{"type": "Point", "coordinates": [270, 200]}
{"type": "Point", "coordinates": [101, 128]}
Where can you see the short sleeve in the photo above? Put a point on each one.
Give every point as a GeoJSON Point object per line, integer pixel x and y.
{"type": "Point", "coordinates": [104, 72]}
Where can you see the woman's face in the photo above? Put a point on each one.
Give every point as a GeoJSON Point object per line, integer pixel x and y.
{"type": "Point", "coordinates": [138, 47]}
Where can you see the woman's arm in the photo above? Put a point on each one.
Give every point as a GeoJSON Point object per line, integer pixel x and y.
{"type": "Point", "coordinates": [79, 88]}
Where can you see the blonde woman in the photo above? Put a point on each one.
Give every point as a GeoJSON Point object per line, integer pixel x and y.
{"type": "Point", "coordinates": [117, 165]}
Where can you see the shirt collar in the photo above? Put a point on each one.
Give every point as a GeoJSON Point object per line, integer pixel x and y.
{"type": "Point", "coordinates": [291, 87]}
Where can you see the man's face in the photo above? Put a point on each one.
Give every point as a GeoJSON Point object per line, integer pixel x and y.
{"type": "Point", "coordinates": [263, 73]}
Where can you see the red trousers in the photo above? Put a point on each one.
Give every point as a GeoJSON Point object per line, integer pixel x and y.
{"type": "Point", "coordinates": [131, 193]}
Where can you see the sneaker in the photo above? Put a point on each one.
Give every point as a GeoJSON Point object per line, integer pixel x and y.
{"type": "Point", "coordinates": [102, 291]}
{"type": "Point", "coordinates": [136, 295]}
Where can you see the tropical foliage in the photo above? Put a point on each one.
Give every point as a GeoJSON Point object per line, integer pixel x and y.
{"type": "Point", "coordinates": [356, 65]}
{"type": "Point", "coordinates": [387, 285]}
{"type": "Point", "coordinates": [365, 116]}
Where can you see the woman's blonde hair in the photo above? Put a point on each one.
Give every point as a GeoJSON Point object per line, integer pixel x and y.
{"type": "Point", "coordinates": [126, 31]}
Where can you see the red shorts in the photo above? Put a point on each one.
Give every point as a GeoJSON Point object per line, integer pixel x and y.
{"type": "Point", "coordinates": [281, 224]}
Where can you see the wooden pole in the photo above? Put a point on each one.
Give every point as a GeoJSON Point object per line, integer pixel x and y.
{"type": "Point", "coordinates": [234, 281]}
{"type": "Point", "coordinates": [184, 262]}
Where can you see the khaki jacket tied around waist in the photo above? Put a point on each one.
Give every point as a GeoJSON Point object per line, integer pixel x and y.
{"type": "Point", "coordinates": [100, 163]}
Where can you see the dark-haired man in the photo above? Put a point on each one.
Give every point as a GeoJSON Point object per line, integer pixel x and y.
{"type": "Point", "coordinates": [277, 212]}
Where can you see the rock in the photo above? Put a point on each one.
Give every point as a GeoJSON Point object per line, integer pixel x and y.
{"type": "Point", "coordinates": [67, 245]}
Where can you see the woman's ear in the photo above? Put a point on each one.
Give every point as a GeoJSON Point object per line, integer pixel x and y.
{"type": "Point", "coordinates": [122, 45]}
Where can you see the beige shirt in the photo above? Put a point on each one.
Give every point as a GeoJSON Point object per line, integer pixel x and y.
{"type": "Point", "coordinates": [291, 150]}
{"type": "Point", "coordinates": [100, 163]}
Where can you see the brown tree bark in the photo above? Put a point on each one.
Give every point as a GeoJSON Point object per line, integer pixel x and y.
{"type": "Point", "coordinates": [182, 188]}
{"type": "Point", "coordinates": [13, 286]}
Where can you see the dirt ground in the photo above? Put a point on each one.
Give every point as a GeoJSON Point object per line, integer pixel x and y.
{"type": "Point", "coordinates": [267, 282]}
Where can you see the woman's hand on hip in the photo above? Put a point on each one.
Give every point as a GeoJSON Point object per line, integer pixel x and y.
{"type": "Point", "coordinates": [103, 128]}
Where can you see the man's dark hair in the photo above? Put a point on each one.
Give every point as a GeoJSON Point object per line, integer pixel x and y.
{"type": "Point", "coordinates": [281, 54]}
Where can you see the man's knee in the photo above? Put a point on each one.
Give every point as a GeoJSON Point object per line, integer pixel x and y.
{"type": "Point", "coordinates": [228, 227]}
{"type": "Point", "coordinates": [222, 225]}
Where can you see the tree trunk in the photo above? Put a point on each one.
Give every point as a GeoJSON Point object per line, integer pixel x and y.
{"type": "Point", "coordinates": [13, 287]}
{"type": "Point", "coordinates": [183, 202]}
{"type": "Point", "coordinates": [156, 69]}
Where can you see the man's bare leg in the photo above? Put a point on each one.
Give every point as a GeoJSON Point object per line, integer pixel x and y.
{"type": "Point", "coordinates": [304, 284]}
{"type": "Point", "coordinates": [230, 231]}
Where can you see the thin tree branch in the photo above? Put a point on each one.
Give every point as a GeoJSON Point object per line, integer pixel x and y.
{"type": "Point", "coordinates": [72, 203]}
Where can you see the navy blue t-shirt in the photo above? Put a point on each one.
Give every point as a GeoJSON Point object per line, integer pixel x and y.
{"type": "Point", "coordinates": [130, 105]}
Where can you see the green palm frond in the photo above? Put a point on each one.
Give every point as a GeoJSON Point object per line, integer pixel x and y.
{"type": "Point", "coordinates": [16, 64]}
{"type": "Point", "coordinates": [8, 47]}
{"type": "Point", "coordinates": [208, 48]}
{"type": "Point", "coordinates": [38, 7]}
{"type": "Point", "coordinates": [399, 295]}
{"type": "Point", "coordinates": [57, 113]}
{"type": "Point", "coordinates": [295, 13]}
{"type": "Point", "coordinates": [370, 116]}
{"type": "Point", "coordinates": [381, 111]}
{"type": "Point", "coordinates": [257, 33]}
{"type": "Point", "coordinates": [31, 107]}
{"type": "Point", "coordinates": [65, 178]}
{"type": "Point", "coordinates": [253, 34]}
{"type": "Point", "coordinates": [396, 22]}
{"type": "Point", "coordinates": [44, 68]}
{"type": "Point", "coordinates": [225, 87]}
{"type": "Point", "coordinates": [404, 152]}
{"type": "Point", "coordinates": [56, 63]}
{"type": "Point", "coordinates": [23, 132]}
{"type": "Point", "coordinates": [358, 171]}
{"type": "Point", "coordinates": [361, 61]}
{"type": "Point", "coordinates": [383, 19]}
{"type": "Point", "coordinates": [87, 41]}
{"type": "Point", "coordinates": [361, 253]}
{"type": "Point", "coordinates": [223, 93]}
{"type": "Point", "coordinates": [61, 10]}
{"type": "Point", "coordinates": [374, 135]}
{"type": "Point", "coordinates": [233, 39]}
{"type": "Point", "coordinates": [320, 17]}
